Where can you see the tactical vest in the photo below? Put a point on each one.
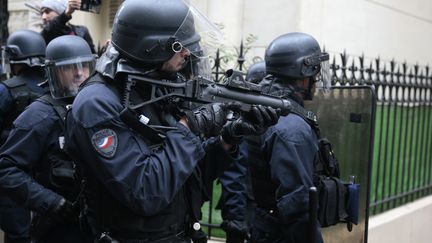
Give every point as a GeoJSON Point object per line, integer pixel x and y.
{"type": "Point", "coordinates": [59, 174]}
{"type": "Point", "coordinates": [22, 96]}
{"type": "Point", "coordinates": [332, 191]}
{"type": "Point", "coordinates": [105, 213]}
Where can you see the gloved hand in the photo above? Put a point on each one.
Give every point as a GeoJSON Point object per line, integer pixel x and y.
{"type": "Point", "coordinates": [63, 211]}
{"type": "Point", "coordinates": [207, 120]}
{"type": "Point", "coordinates": [236, 231]}
{"type": "Point", "coordinates": [254, 122]}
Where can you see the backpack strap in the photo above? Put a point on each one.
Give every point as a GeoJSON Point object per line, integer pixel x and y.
{"type": "Point", "coordinates": [129, 116]}
{"type": "Point", "coordinates": [59, 106]}
{"type": "Point", "coordinates": [307, 115]}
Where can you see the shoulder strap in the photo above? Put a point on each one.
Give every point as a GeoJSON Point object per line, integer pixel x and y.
{"type": "Point", "coordinates": [14, 82]}
{"type": "Point", "coordinates": [59, 106]}
{"type": "Point", "coordinates": [130, 117]}
{"type": "Point", "coordinates": [307, 115]}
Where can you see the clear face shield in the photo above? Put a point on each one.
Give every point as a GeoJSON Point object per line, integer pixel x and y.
{"type": "Point", "coordinates": [5, 62]}
{"type": "Point", "coordinates": [66, 76]}
{"type": "Point", "coordinates": [323, 78]}
{"type": "Point", "coordinates": [201, 38]}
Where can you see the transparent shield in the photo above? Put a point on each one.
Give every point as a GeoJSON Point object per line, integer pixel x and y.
{"type": "Point", "coordinates": [65, 77]}
{"type": "Point", "coordinates": [346, 116]}
{"type": "Point", "coordinates": [324, 77]}
{"type": "Point", "coordinates": [197, 66]}
{"type": "Point", "coordinates": [197, 28]}
{"type": "Point", "coordinates": [5, 62]}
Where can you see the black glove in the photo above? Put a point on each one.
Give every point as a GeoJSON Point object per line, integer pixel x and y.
{"type": "Point", "coordinates": [236, 231]}
{"type": "Point", "coordinates": [254, 122]}
{"type": "Point", "coordinates": [208, 120]}
{"type": "Point", "coordinates": [63, 211]}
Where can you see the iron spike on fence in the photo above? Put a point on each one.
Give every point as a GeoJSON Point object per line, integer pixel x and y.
{"type": "Point", "coordinates": [392, 70]}
{"type": "Point", "coordinates": [334, 67]}
{"type": "Point", "coordinates": [241, 58]}
{"type": "Point", "coordinates": [344, 59]}
{"type": "Point", "coordinates": [370, 71]}
{"type": "Point", "coordinates": [362, 69]}
{"type": "Point", "coordinates": [404, 73]}
{"type": "Point", "coordinates": [378, 70]}
{"type": "Point", "coordinates": [353, 69]}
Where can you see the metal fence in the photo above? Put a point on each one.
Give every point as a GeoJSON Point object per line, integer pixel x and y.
{"type": "Point", "coordinates": [402, 161]}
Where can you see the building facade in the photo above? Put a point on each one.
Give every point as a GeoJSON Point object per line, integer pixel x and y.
{"type": "Point", "coordinates": [386, 28]}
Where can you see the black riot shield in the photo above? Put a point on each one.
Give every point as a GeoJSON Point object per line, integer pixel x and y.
{"type": "Point", "coordinates": [347, 116]}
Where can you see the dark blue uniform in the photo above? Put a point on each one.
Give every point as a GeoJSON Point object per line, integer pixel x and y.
{"type": "Point", "coordinates": [28, 151]}
{"type": "Point", "coordinates": [234, 201]}
{"type": "Point", "coordinates": [30, 78]}
{"type": "Point", "coordinates": [234, 189]}
{"type": "Point", "coordinates": [136, 189]}
{"type": "Point", "coordinates": [6, 102]}
{"type": "Point", "coordinates": [21, 91]}
{"type": "Point", "coordinates": [282, 169]}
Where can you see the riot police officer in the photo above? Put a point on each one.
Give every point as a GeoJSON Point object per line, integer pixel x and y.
{"type": "Point", "coordinates": [282, 159]}
{"type": "Point", "coordinates": [236, 201]}
{"type": "Point", "coordinates": [145, 169]}
{"type": "Point", "coordinates": [22, 56]}
{"type": "Point", "coordinates": [35, 171]}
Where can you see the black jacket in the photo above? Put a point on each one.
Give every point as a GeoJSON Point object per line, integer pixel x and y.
{"type": "Point", "coordinates": [58, 27]}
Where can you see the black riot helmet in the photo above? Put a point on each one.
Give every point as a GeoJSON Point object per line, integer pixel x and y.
{"type": "Point", "coordinates": [23, 47]}
{"type": "Point", "coordinates": [69, 61]}
{"type": "Point", "coordinates": [256, 72]}
{"type": "Point", "coordinates": [295, 56]}
{"type": "Point", "coordinates": [152, 31]}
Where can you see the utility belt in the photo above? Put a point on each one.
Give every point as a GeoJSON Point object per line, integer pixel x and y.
{"type": "Point", "coordinates": [184, 235]}
{"type": "Point", "coordinates": [111, 238]}
{"type": "Point", "coordinates": [272, 216]}
{"type": "Point", "coordinates": [269, 215]}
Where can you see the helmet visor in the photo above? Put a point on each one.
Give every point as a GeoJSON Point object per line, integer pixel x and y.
{"type": "Point", "coordinates": [323, 78]}
{"type": "Point", "coordinates": [197, 66]}
{"type": "Point", "coordinates": [66, 76]}
{"type": "Point", "coordinates": [5, 62]}
{"type": "Point", "coordinates": [201, 37]}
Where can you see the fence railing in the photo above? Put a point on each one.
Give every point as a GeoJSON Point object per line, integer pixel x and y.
{"type": "Point", "coordinates": [402, 162]}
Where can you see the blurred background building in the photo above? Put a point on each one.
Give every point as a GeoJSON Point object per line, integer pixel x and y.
{"type": "Point", "coordinates": [386, 28]}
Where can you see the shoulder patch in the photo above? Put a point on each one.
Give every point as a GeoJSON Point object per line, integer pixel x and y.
{"type": "Point", "coordinates": [105, 142]}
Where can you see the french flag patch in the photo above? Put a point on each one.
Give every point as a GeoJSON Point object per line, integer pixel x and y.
{"type": "Point", "coordinates": [105, 142]}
